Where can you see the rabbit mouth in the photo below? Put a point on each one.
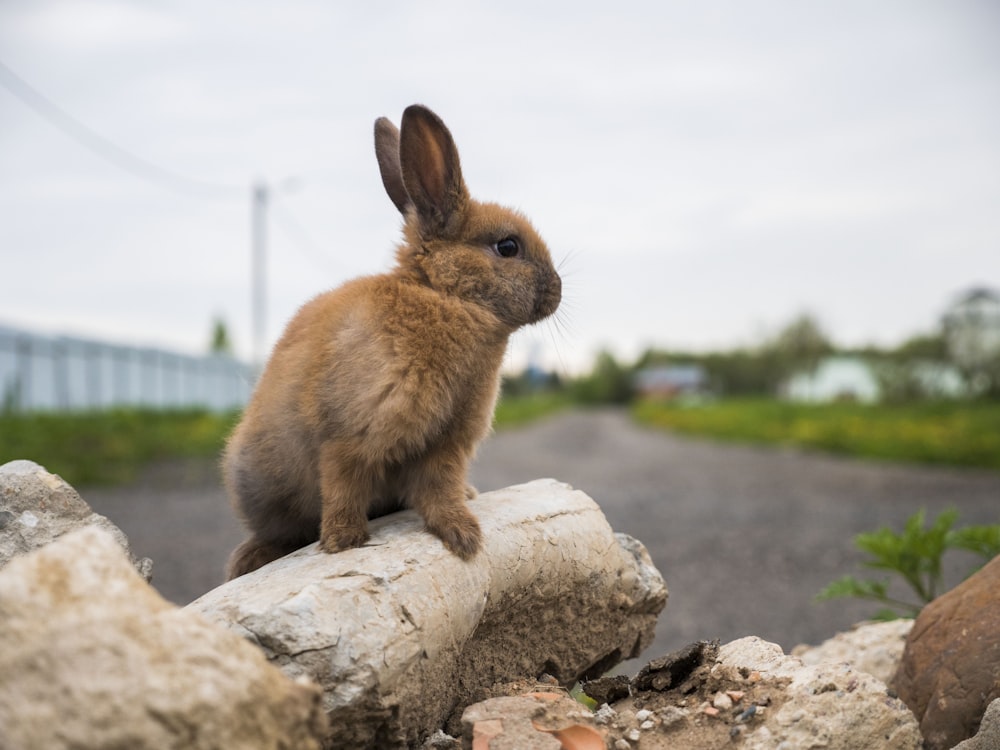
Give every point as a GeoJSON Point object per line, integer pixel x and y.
{"type": "Point", "coordinates": [549, 297]}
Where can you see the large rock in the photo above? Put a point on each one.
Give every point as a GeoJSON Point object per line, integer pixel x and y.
{"type": "Point", "coordinates": [94, 658]}
{"type": "Point", "coordinates": [950, 667]}
{"type": "Point", "coordinates": [37, 507]}
{"type": "Point", "coordinates": [402, 635]}
{"type": "Point", "coordinates": [872, 647]}
{"type": "Point", "coordinates": [705, 697]}
{"type": "Point", "coordinates": [988, 736]}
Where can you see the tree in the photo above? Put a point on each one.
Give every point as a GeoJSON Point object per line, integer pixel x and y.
{"type": "Point", "coordinates": [972, 332]}
{"type": "Point", "coordinates": [608, 383]}
{"type": "Point", "coordinates": [220, 342]}
{"type": "Point", "coordinates": [799, 346]}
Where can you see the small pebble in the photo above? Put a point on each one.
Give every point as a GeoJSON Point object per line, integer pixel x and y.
{"type": "Point", "coordinates": [735, 695]}
{"type": "Point", "coordinates": [710, 711]}
{"type": "Point", "coordinates": [604, 714]}
{"type": "Point", "coordinates": [643, 714]}
{"type": "Point", "coordinates": [671, 715]}
{"type": "Point", "coordinates": [648, 724]}
{"type": "Point", "coordinates": [622, 745]}
{"type": "Point", "coordinates": [722, 701]}
{"type": "Point", "coordinates": [632, 734]}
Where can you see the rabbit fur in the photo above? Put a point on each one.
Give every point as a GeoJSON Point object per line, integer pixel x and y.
{"type": "Point", "coordinates": [379, 391]}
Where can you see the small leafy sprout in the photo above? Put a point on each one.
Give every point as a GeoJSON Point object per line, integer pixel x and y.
{"type": "Point", "coordinates": [915, 554]}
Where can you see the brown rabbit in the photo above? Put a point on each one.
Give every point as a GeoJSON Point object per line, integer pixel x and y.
{"type": "Point", "coordinates": [378, 392]}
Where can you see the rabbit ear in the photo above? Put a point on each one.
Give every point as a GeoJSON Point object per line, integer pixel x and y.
{"type": "Point", "coordinates": [431, 170]}
{"type": "Point", "coordinates": [387, 154]}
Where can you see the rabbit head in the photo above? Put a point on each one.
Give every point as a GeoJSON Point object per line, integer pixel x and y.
{"type": "Point", "coordinates": [479, 252]}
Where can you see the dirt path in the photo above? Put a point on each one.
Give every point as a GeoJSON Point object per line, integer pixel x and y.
{"type": "Point", "coordinates": [744, 536]}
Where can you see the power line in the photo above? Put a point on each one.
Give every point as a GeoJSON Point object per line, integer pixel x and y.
{"type": "Point", "coordinates": [153, 173]}
{"type": "Point", "coordinates": [108, 150]}
{"type": "Point", "coordinates": [308, 247]}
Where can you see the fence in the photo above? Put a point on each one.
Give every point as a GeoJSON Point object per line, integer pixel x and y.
{"type": "Point", "coordinates": [39, 373]}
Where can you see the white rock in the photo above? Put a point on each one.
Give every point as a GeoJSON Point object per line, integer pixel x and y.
{"type": "Point", "coordinates": [722, 701]}
{"type": "Point", "coordinates": [94, 658]}
{"type": "Point", "coordinates": [37, 507]}
{"type": "Point", "coordinates": [828, 705]}
{"type": "Point", "coordinates": [604, 714]}
{"type": "Point", "coordinates": [872, 647]}
{"type": "Point", "coordinates": [402, 634]}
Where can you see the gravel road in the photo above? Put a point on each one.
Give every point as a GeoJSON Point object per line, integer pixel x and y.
{"type": "Point", "coordinates": [744, 536]}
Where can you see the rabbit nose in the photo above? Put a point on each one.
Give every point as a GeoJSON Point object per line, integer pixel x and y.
{"type": "Point", "coordinates": [550, 294]}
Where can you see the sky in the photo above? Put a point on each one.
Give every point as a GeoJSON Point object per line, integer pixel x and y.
{"type": "Point", "coordinates": [702, 172]}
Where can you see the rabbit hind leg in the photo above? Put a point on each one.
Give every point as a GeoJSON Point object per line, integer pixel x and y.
{"type": "Point", "coordinates": [252, 554]}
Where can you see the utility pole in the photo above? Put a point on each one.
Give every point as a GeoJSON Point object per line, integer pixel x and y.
{"type": "Point", "coordinates": [258, 265]}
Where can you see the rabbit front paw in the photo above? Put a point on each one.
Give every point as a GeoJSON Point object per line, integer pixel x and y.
{"type": "Point", "coordinates": [339, 538]}
{"type": "Point", "coordinates": [461, 536]}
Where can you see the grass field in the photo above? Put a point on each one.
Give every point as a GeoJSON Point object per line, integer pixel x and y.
{"type": "Point", "coordinates": [955, 433]}
{"type": "Point", "coordinates": [518, 410]}
{"type": "Point", "coordinates": [110, 447]}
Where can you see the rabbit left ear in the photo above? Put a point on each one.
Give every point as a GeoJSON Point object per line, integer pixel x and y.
{"type": "Point", "coordinates": [387, 154]}
{"type": "Point", "coordinates": [432, 173]}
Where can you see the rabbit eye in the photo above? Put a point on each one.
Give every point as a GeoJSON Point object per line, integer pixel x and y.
{"type": "Point", "coordinates": [508, 247]}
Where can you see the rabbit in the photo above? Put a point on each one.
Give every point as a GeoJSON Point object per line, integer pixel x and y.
{"type": "Point", "coordinates": [379, 391]}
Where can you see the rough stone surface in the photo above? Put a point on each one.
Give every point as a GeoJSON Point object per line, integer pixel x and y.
{"type": "Point", "coordinates": [541, 720]}
{"type": "Point", "coordinates": [94, 658]}
{"type": "Point", "coordinates": [748, 692]}
{"type": "Point", "coordinates": [37, 507]}
{"type": "Point", "coordinates": [988, 736]}
{"type": "Point", "coordinates": [950, 667]}
{"type": "Point", "coordinates": [402, 635]}
{"type": "Point", "coordinates": [872, 647]}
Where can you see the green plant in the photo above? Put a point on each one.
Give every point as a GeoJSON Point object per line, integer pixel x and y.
{"type": "Point", "coordinates": [915, 554]}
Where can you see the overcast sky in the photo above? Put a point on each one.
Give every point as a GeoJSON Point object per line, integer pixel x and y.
{"type": "Point", "coordinates": [701, 171]}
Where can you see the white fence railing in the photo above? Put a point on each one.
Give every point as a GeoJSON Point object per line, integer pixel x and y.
{"type": "Point", "coordinates": [41, 373]}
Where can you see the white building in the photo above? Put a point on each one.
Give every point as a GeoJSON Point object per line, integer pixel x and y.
{"type": "Point", "coordinates": [834, 379]}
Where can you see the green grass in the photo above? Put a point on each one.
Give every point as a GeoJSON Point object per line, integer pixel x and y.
{"type": "Point", "coordinates": [513, 411]}
{"type": "Point", "coordinates": [954, 433]}
{"type": "Point", "coordinates": [110, 447]}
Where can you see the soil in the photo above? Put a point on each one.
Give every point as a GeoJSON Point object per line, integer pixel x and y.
{"type": "Point", "coordinates": [678, 701]}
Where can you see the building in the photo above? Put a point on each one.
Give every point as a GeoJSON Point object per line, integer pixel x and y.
{"type": "Point", "coordinates": [836, 378]}
{"type": "Point", "coordinates": [671, 381]}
